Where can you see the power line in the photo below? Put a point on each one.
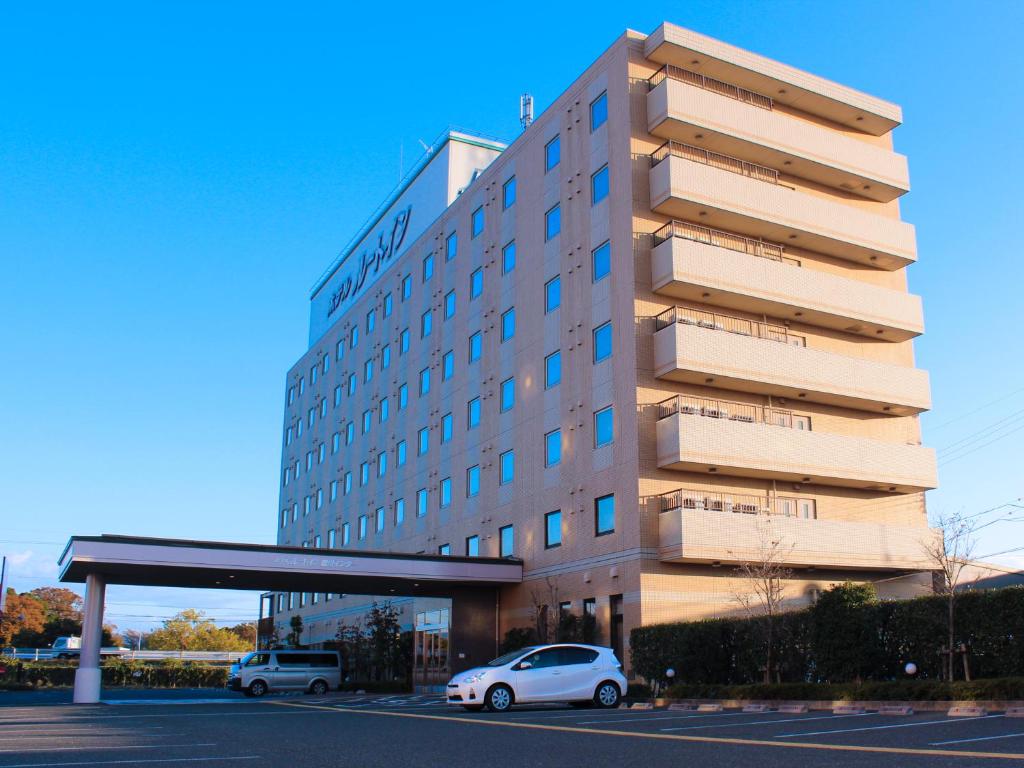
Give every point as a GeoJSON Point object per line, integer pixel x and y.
{"type": "Point", "coordinates": [994, 426]}
{"type": "Point", "coordinates": [979, 447]}
{"type": "Point", "coordinates": [976, 410]}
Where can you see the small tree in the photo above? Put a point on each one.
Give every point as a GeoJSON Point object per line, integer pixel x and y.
{"type": "Point", "coordinates": [384, 638]}
{"type": "Point", "coordinates": [764, 578]}
{"type": "Point", "coordinates": [294, 637]}
{"type": "Point", "coordinates": [846, 645]}
{"type": "Point", "coordinates": [949, 552]}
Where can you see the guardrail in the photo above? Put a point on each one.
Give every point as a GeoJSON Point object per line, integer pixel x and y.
{"type": "Point", "coordinates": [729, 240]}
{"type": "Point", "coordinates": [719, 322]}
{"type": "Point", "coordinates": [48, 654]}
{"type": "Point", "coordinates": [716, 160]}
{"type": "Point", "coordinates": [710, 84]}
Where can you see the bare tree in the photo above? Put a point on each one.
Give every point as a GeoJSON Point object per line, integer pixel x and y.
{"type": "Point", "coordinates": [544, 602]}
{"type": "Point", "coordinates": [949, 552]}
{"type": "Point", "coordinates": [764, 576]}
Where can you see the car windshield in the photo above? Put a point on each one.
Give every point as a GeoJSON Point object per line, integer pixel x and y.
{"type": "Point", "coordinates": [506, 658]}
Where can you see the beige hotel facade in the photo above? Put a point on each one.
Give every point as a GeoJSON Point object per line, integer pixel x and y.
{"type": "Point", "coordinates": [667, 324]}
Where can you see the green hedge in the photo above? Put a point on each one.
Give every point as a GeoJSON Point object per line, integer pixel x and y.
{"type": "Point", "coordinates": [1000, 689]}
{"type": "Point", "coordinates": [19, 674]}
{"type": "Point", "coordinates": [838, 641]}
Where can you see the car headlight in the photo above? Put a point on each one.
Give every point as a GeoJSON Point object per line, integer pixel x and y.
{"type": "Point", "coordinates": [474, 678]}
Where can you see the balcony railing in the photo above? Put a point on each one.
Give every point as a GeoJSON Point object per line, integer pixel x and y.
{"type": "Point", "coordinates": [721, 239]}
{"type": "Point", "coordinates": [731, 410]}
{"type": "Point", "coordinates": [709, 84]}
{"type": "Point", "coordinates": [739, 503]}
{"type": "Point", "coordinates": [714, 159]}
{"type": "Point", "coordinates": [718, 322]}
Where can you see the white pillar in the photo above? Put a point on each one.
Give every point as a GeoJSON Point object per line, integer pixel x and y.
{"type": "Point", "coordinates": [87, 677]}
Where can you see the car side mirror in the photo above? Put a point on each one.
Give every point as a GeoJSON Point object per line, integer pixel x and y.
{"type": "Point", "coordinates": [525, 665]}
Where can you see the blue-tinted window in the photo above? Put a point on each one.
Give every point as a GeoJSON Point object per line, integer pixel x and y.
{"type": "Point", "coordinates": [508, 258]}
{"type": "Point", "coordinates": [604, 426]}
{"type": "Point", "coordinates": [399, 511]}
{"type": "Point", "coordinates": [421, 502]}
{"type": "Point", "coordinates": [553, 448]}
{"type": "Point", "coordinates": [507, 541]}
{"type": "Point", "coordinates": [451, 246]}
{"type": "Point", "coordinates": [473, 481]}
{"type": "Point", "coordinates": [476, 283]}
{"type": "Point", "coordinates": [477, 221]}
{"type": "Point", "coordinates": [473, 413]}
{"type": "Point", "coordinates": [552, 294]}
{"type": "Point", "coordinates": [553, 370]}
{"type": "Point", "coordinates": [428, 267]}
{"type": "Point", "coordinates": [472, 546]}
{"type": "Point", "coordinates": [508, 324]}
{"type": "Point", "coordinates": [447, 365]}
{"type": "Point", "coordinates": [403, 397]}
{"type": "Point", "coordinates": [507, 467]}
{"type": "Point", "coordinates": [599, 111]}
{"type": "Point", "coordinates": [552, 153]}
{"type": "Point", "coordinates": [426, 323]}
{"type": "Point", "coordinates": [444, 549]}
{"type": "Point", "coordinates": [406, 287]}
{"type": "Point", "coordinates": [449, 304]}
{"type": "Point", "coordinates": [446, 428]}
{"type": "Point", "coordinates": [552, 222]}
{"type": "Point", "coordinates": [602, 342]}
{"type": "Point", "coordinates": [446, 492]}
{"type": "Point", "coordinates": [424, 381]}
{"type": "Point", "coordinates": [553, 529]}
{"type": "Point", "coordinates": [508, 193]}
{"type": "Point", "coordinates": [423, 441]}
{"type": "Point", "coordinates": [401, 451]}
{"type": "Point", "coordinates": [476, 342]}
{"type": "Point", "coordinates": [508, 394]}
{"type": "Point", "coordinates": [604, 515]}
{"type": "Point", "coordinates": [599, 186]}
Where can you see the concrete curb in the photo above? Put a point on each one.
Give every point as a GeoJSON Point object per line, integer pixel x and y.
{"type": "Point", "coordinates": [869, 706]}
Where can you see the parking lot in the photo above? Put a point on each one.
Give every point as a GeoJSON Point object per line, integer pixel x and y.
{"type": "Point", "coordinates": [305, 731]}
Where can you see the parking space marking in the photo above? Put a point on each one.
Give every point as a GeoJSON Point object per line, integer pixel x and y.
{"type": "Point", "coordinates": [947, 721]}
{"type": "Point", "coordinates": [764, 722]}
{"type": "Point", "coordinates": [976, 738]}
{"type": "Point", "coordinates": [134, 762]}
{"type": "Point", "coordinates": [97, 749]}
{"type": "Point", "coordinates": [946, 753]}
{"type": "Point", "coordinates": [639, 718]}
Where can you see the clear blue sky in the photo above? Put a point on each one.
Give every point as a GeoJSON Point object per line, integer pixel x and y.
{"type": "Point", "coordinates": [174, 177]}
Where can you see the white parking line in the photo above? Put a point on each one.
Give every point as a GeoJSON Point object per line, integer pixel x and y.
{"type": "Point", "coordinates": [763, 722]}
{"type": "Point", "coordinates": [97, 749]}
{"type": "Point", "coordinates": [886, 727]}
{"type": "Point", "coordinates": [134, 762]}
{"type": "Point", "coordinates": [638, 718]}
{"type": "Point", "coordinates": [976, 738]}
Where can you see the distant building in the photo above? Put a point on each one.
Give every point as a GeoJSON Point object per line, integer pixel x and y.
{"type": "Point", "coordinates": [668, 322]}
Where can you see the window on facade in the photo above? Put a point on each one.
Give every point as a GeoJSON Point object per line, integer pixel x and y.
{"type": "Point", "coordinates": [476, 344]}
{"type": "Point", "coordinates": [350, 432]}
{"type": "Point", "coordinates": [368, 371]}
{"type": "Point", "coordinates": [379, 515]}
{"type": "Point", "coordinates": [353, 337]}
{"type": "Point", "coordinates": [403, 341]}
{"type": "Point", "coordinates": [334, 489]}
{"type": "Point", "coordinates": [284, 518]}
{"type": "Point", "coordinates": [506, 541]}
{"type": "Point", "coordinates": [331, 539]}
{"type": "Point", "coordinates": [446, 492]}
{"type": "Point", "coordinates": [552, 153]}
{"type": "Point", "coordinates": [347, 483]}
{"type": "Point", "coordinates": [389, 305]}
{"type": "Point", "coordinates": [473, 481]}
{"type": "Point", "coordinates": [477, 221]}
{"type": "Point", "coordinates": [451, 246]}
{"type": "Point", "coordinates": [364, 473]}
{"type": "Point", "coordinates": [337, 396]}
{"type": "Point", "coordinates": [553, 370]}
{"type": "Point", "coordinates": [599, 186]}
{"type": "Point", "coordinates": [385, 357]}
{"type": "Point", "coordinates": [423, 441]}
{"type": "Point", "coordinates": [312, 375]}
{"type": "Point", "coordinates": [346, 534]}
{"type": "Point", "coordinates": [311, 417]}
{"type": "Point", "coordinates": [447, 365]}
{"type": "Point", "coordinates": [446, 428]}
{"type": "Point", "coordinates": [321, 452]}
{"type": "Point", "coordinates": [476, 283]}
{"type": "Point", "coordinates": [323, 407]}
{"type": "Point", "coordinates": [403, 397]}
{"type": "Point", "coordinates": [553, 448]}
{"type": "Point", "coordinates": [508, 193]}
{"type": "Point", "coordinates": [508, 324]}
{"type": "Point", "coordinates": [604, 515]}
{"type": "Point", "coordinates": [399, 511]}
{"type": "Point", "coordinates": [553, 529]}
{"type": "Point", "coordinates": [449, 305]}
{"type": "Point", "coordinates": [384, 410]}
{"type": "Point", "coordinates": [367, 421]}
{"type": "Point", "coordinates": [363, 523]}
{"type": "Point", "coordinates": [553, 294]}
{"type": "Point", "coordinates": [508, 257]}
{"type": "Point", "coordinates": [599, 111]}
{"type": "Point", "coordinates": [325, 364]}
{"type": "Point", "coordinates": [507, 467]}
{"type": "Point", "coordinates": [444, 549]}
{"type": "Point", "coordinates": [351, 384]}
{"type": "Point", "coordinates": [426, 323]}
{"type": "Point", "coordinates": [382, 464]}
{"type": "Point", "coordinates": [371, 320]}
{"type": "Point", "coordinates": [406, 287]}
{"type": "Point", "coordinates": [552, 222]}
{"type": "Point", "coordinates": [428, 267]}
{"type": "Point", "coordinates": [298, 428]}
{"type": "Point", "coordinates": [288, 435]}
{"type": "Point", "coordinates": [508, 394]}
{"type": "Point", "coordinates": [421, 502]}
{"type": "Point", "coordinates": [602, 342]}
{"type": "Point", "coordinates": [401, 451]}
{"type": "Point", "coordinates": [472, 546]}
{"type": "Point", "coordinates": [604, 426]}
{"type": "Point", "coordinates": [473, 413]}
{"type": "Point", "coordinates": [424, 381]}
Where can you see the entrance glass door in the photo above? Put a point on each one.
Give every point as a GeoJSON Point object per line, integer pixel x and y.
{"type": "Point", "coordinates": [431, 670]}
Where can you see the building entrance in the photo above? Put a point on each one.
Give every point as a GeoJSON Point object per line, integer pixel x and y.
{"type": "Point", "coordinates": [431, 651]}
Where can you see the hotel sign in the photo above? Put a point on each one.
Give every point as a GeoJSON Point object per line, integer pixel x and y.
{"type": "Point", "coordinates": [371, 262]}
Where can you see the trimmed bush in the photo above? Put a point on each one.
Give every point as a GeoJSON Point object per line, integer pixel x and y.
{"type": "Point", "coordinates": [847, 637]}
{"type": "Point", "coordinates": [120, 673]}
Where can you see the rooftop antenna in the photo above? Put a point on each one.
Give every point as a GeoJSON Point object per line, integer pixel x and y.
{"type": "Point", "coordinates": [525, 110]}
{"type": "Point", "coordinates": [426, 147]}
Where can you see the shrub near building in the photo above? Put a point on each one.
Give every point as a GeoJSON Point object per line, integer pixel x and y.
{"type": "Point", "coordinates": [847, 637]}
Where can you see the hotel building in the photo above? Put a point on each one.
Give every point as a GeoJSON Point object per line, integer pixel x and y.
{"type": "Point", "coordinates": [667, 325]}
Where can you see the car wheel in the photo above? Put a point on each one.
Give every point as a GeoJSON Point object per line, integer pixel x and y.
{"type": "Point", "coordinates": [472, 707]}
{"type": "Point", "coordinates": [319, 688]}
{"type": "Point", "coordinates": [499, 698]}
{"type": "Point", "coordinates": [257, 688]}
{"type": "Point", "coordinates": [607, 695]}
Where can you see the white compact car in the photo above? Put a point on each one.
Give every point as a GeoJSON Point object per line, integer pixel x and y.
{"type": "Point", "coordinates": [578, 674]}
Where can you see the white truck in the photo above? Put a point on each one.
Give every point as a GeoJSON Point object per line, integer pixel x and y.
{"type": "Point", "coordinates": [70, 647]}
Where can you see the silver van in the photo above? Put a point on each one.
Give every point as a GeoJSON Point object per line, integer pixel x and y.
{"type": "Point", "coordinates": [261, 671]}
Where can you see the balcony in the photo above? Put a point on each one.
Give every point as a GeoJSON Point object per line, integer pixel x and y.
{"type": "Point", "coordinates": [733, 532]}
{"type": "Point", "coordinates": [732, 194]}
{"type": "Point", "coordinates": [690, 261]}
{"type": "Point", "coordinates": [670, 44]}
{"type": "Point", "coordinates": [700, 347]}
{"type": "Point", "coordinates": [753, 441]}
{"type": "Point", "coordinates": [686, 106]}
